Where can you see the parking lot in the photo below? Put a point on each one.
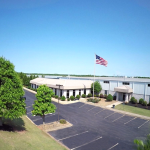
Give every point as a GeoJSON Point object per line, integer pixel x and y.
{"type": "Point", "coordinates": [94, 127]}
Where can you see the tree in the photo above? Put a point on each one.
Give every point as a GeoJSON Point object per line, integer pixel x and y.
{"type": "Point", "coordinates": [97, 87]}
{"type": "Point", "coordinates": [143, 145]}
{"type": "Point", "coordinates": [12, 105]}
{"type": "Point", "coordinates": [43, 105]}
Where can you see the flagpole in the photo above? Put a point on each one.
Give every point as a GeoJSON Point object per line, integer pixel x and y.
{"type": "Point", "coordinates": [94, 77]}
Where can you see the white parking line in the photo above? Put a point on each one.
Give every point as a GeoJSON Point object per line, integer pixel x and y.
{"type": "Point", "coordinates": [72, 136]}
{"type": "Point", "coordinates": [130, 120]}
{"type": "Point", "coordinates": [110, 115]}
{"type": "Point", "coordinates": [99, 112]}
{"type": "Point", "coordinates": [29, 106]}
{"type": "Point", "coordinates": [86, 143]}
{"type": "Point", "coordinates": [118, 118]}
{"type": "Point", "coordinates": [113, 146]}
{"type": "Point", "coordinates": [82, 105]}
{"type": "Point", "coordinates": [45, 116]}
{"type": "Point", "coordinates": [28, 112]}
{"type": "Point", "coordinates": [92, 108]}
{"type": "Point", "coordinates": [143, 123]}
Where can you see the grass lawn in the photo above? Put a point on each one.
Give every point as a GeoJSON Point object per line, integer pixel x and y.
{"type": "Point", "coordinates": [32, 138]}
{"type": "Point", "coordinates": [134, 110]}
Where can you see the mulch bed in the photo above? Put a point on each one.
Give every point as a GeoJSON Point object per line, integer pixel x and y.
{"type": "Point", "coordinates": [139, 106]}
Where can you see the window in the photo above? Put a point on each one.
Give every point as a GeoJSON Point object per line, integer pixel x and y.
{"type": "Point", "coordinates": [74, 93]}
{"type": "Point", "coordinates": [37, 86]}
{"type": "Point", "coordinates": [67, 93]}
{"type": "Point", "coordinates": [106, 92]}
{"type": "Point", "coordinates": [55, 91]}
{"type": "Point", "coordinates": [106, 81]}
{"type": "Point", "coordinates": [125, 83]}
{"type": "Point", "coordinates": [80, 92]}
{"type": "Point", "coordinates": [85, 91]}
{"type": "Point", "coordinates": [60, 93]}
{"type": "Point", "coordinates": [148, 85]}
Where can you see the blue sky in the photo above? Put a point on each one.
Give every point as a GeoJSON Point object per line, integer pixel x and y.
{"type": "Point", "coordinates": [63, 36]}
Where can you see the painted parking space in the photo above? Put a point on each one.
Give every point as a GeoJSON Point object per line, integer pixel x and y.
{"type": "Point", "coordinates": [77, 141]}
{"type": "Point", "coordinates": [125, 119]}
{"type": "Point", "coordinates": [137, 122]}
{"type": "Point", "coordinates": [104, 113]}
{"type": "Point", "coordinates": [114, 117]}
{"type": "Point", "coordinates": [76, 105]}
{"type": "Point", "coordinates": [86, 107]}
{"type": "Point", "coordinates": [104, 143]}
{"type": "Point", "coordinates": [71, 131]}
{"type": "Point", "coordinates": [95, 110]}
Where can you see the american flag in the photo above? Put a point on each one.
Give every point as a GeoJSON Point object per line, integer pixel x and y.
{"type": "Point", "coordinates": [101, 61]}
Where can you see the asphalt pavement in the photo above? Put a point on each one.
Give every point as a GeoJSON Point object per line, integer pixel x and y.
{"type": "Point", "coordinates": [94, 128]}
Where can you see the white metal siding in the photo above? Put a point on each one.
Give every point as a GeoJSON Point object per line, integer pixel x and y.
{"type": "Point", "coordinates": [88, 91]}
{"type": "Point", "coordinates": [139, 88]}
{"type": "Point", "coordinates": [138, 96]}
{"type": "Point", "coordinates": [113, 84]}
{"type": "Point", "coordinates": [105, 86]}
{"type": "Point", "coordinates": [147, 90]}
{"type": "Point", "coordinates": [70, 93]}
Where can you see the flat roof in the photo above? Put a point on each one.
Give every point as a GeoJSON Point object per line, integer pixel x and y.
{"type": "Point", "coordinates": [66, 83]}
{"type": "Point", "coordinates": [117, 79]}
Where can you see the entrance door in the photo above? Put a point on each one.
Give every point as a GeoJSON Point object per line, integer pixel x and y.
{"type": "Point", "coordinates": [124, 96]}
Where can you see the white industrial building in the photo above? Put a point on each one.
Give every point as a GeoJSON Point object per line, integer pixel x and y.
{"type": "Point", "coordinates": [122, 88]}
{"type": "Point", "coordinates": [68, 87]}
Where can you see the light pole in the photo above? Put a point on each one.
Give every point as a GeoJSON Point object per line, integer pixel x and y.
{"type": "Point", "coordinates": [58, 99]}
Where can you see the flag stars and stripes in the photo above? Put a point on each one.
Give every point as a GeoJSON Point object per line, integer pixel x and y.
{"type": "Point", "coordinates": [101, 61]}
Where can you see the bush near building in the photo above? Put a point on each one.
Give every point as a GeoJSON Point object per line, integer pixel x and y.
{"type": "Point", "coordinates": [63, 98]}
{"type": "Point", "coordinates": [141, 101]}
{"type": "Point", "coordinates": [145, 103]}
{"type": "Point", "coordinates": [101, 95]}
{"type": "Point", "coordinates": [78, 96]}
{"type": "Point", "coordinates": [95, 100]}
{"type": "Point", "coordinates": [72, 98]}
{"type": "Point", "coordinates": [62, 121]}
{"type": "Point", "coordinates": [68, 99]}
{"type": "Point", "coordinates": [83, 96]}
{"type": "Point", "coordinates": [89, 95]}
{"type": "Point", "coordinates": [109, 97]}
{"type": "Point", "coordinates": [56, 96]}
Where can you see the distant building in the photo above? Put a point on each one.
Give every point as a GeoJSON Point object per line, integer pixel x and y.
{"type": "Point", "coordinates": [68, 88]}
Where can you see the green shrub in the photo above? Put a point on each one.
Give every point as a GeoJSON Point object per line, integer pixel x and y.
{"type": "Point", "coordinates": [62, 121]}
{"type": "Point", "coordinates": [56, 96]}
{"type": "Point", "coordinates": [101, 95]}
{"type": "Point", "coordinates": [83, 95]}
{"type": "Point", "coordinates": [72, 98]}
{"type": "Point", "coordinates": [132, 99]}
{"type": "Point", "coordinates": [68, 99]}
{"type": "Point", "coordinates": [95, 100]}
{"type": "Point", "coordinates": [63, 98]}
{"type": "Point", "coordinates": [78, 96]}
{"type": "Point", "coordinates": [109, 97]}
{"type": "Point", "coordinates": [141, 100]}
{"type": "Point", "coordinates": [105, 95]}
{"type": "Point", "coordinates": [145, 103]}
{"type": "Point", "coordinates": [89, 95]}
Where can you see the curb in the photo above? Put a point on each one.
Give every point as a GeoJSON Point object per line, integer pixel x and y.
{"type": "Point", "coordinates": [49, 134]}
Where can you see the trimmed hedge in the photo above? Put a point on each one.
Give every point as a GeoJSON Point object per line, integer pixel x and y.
{"type": "Point", "coordinates": [68, 99]}
{"type": "Point", "coordinates": [56, 96]}
{"type": "Point", "coordinates": [78, 96]}
{"type": "Point", "coordinates": [72, 98]}
{"type": "Point", "coordinates": [83, 95]}
{"type": "Point", "coordinates": [109, 97]}
{"type": "Point", "coordinates": [89, 95]}
{"type": "Point", "coordinates": [63, 98]}
{"type": "Point", "coordinates": [141, 101]}
{"type": "Point", "coordinates": [145, 103]}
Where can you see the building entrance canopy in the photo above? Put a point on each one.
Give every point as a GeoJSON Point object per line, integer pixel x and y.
{"type": "Point", "coordinates": [123, 89]}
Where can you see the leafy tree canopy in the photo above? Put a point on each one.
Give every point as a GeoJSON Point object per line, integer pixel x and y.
{"type": "Point", "coordinates": [97, 87]}
{"type": "Point", "coordinates": [43, 105]}
{"type": "Point", "coordinates": [12, 105]}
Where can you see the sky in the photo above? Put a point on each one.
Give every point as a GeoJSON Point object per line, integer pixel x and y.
{"type": "Point", "coordinates": [63, 36]}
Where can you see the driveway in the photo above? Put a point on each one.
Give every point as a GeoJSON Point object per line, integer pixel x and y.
{"type": "Point", "coordinates": [94, 128]}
